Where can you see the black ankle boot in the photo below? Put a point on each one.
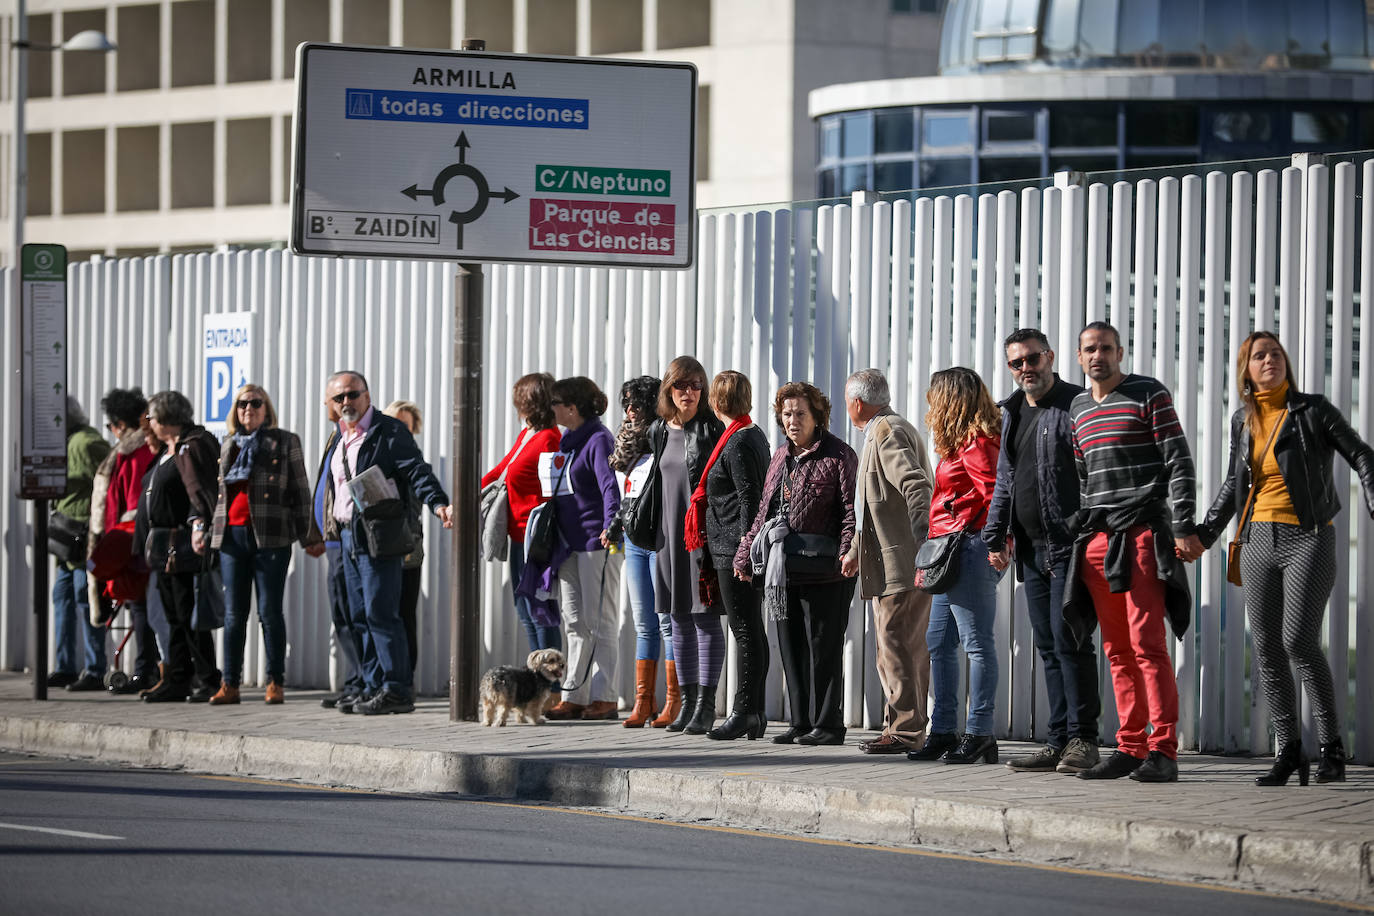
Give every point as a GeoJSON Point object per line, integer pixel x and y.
{"type": "Point", "coordinates": [1331, 768]}
{"type": "Point", "coordinates": [973, 749]}
{"type": "Point", "coordinates": [1290, 759]}
{"type": "Point", "coordinates": [705, 715]}
{"type": "Point", "coordinates": [739, 725]}
{"type": "Point", "coordinates": [690, 694]}
{"type": "Point", "coordinates": [935, 747]}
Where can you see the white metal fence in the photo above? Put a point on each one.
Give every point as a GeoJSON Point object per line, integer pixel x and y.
{"type": "Point", "coordinates": [1185, 265]}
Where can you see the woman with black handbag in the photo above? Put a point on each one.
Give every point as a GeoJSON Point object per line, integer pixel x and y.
{"type": "Point", "coordinates": [585, 499]}
{"type": "Point", "coordinates": [804, 525]}
{"type": "Point", "coordinates": [966, 430]}
{"type": "Point", "coordinates": [181, 502]}
{"type": "Point", "coordinates": [1283, 444]}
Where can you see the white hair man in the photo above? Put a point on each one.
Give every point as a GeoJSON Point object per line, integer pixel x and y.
{"type": "Point", "coordinates": [893, 505]}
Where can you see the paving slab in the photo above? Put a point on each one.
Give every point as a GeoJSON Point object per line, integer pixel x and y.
{"type": "Point", "coordinates": [1214, 825]}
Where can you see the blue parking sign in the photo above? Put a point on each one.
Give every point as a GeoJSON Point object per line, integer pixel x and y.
{"type": "Point", "coordinates": [227, 349]}
{"type": "Point", "coordinates": [219, 388]}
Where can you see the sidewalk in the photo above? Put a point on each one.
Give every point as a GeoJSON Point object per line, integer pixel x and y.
{"type": "Point", "coordinates": [1214, 825]}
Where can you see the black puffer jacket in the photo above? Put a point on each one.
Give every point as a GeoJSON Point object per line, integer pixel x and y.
{"type": "Point", "coordinates": [1305, 449]}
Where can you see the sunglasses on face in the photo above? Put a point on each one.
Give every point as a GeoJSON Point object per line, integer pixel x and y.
{"type": "Point", "coordinates": [250, 403]}
{"type": "Point", "coordinates": [1030, 359]}
{"type": "Point", "coordinates": [344, 396]}
{"type": "Point", "coordinates": [688, 385]}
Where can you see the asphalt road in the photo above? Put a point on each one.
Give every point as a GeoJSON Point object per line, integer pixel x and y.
{"type": "Point", "coordinates": [84, 838]}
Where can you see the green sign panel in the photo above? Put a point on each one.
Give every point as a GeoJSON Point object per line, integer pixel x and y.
{"type": "Point", "coordinates": [44, 262]}
{"type": "Point", "coordinates": [588, 179]}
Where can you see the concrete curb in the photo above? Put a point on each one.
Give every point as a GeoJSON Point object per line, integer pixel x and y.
{"type": "Point", "coordinates": [1315, 865]}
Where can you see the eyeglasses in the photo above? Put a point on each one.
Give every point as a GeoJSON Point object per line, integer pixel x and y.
{"type": "Point", "coordinates": [344, 396]}
{"type": "Point", "coordinates": [693, 384]}
{"type": "Point", "coordinates": [1030, 359]}
{"type": "Point", "coordinates": [253, 403]}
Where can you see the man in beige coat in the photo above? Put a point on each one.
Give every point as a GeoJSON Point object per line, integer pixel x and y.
{"type": "Point", "coordinates": [892, 503]}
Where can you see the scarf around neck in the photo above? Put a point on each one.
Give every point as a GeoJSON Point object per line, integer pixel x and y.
{"type": "Point", "coordinates": [695, 523]}
{"type": "Point", "coordinates": [243, 461]}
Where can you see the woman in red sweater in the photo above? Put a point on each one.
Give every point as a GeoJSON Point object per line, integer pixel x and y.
{"type": "Point", "coordinates": [965, 428]}
{"type": "Point", "coordinates": [532, 396]}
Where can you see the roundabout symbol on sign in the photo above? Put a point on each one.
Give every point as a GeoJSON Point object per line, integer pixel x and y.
{"type": "Point", "coordinates": [461, 168]}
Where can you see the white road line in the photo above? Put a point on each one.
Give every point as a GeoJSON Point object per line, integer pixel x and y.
{"type": "Point", "coordinates": [72, 833]}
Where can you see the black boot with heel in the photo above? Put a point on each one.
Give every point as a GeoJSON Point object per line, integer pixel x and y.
{"type": "Point", "coordinates": [705, 714]}
{"type": "Point", "coordinates": [973, 749]}
{"type": "Point", "coordinates": [1290, 759]}
{"type": "Point", "coordinates": [690, 695]}
{"type": "Point", "coordinates": [1331, 767]}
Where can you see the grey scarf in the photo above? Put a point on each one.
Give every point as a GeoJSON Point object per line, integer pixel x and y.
{"type": "Point", "coordinates": [768, 560]}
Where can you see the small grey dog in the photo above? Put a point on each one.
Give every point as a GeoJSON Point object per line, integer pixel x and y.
{"type": "Point", "coordinates": [528, 691]}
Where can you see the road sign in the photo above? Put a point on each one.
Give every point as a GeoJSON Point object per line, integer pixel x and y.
{"type": "Point", "coordinates": [43, 332]}
{"type": "Point", "coordinates": [493, 157]}
{"type": "Point", "coordinates": [227, 349]}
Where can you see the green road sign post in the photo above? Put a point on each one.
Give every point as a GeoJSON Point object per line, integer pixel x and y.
{"type": "Point", "coordinates": [43, 417]}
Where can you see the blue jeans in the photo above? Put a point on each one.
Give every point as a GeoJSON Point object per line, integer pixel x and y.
{"type": "Point", "coordinates": [349, 641]}
{"type": "Point", "coordinates": [1070, 670]}
{"type": "Point", "coordinates": [374, 600]}
{"type": "Point", "coordinates": [243, 565]}
{"type": "Point", "coordinates": [652, 630]}
{"type": "Point", "coordinates": [965, 614]}
{"type": "Point", "coordinates": [538, 637]}
{"type": "Point", "coordinates": [72, 615]}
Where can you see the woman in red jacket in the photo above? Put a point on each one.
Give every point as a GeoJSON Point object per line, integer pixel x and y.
{"type": "Point", "coordinates": [965, 427]}
{"type": "Point", "coordinates": [533, 399]}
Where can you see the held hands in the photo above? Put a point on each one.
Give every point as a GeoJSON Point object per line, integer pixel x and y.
{"type": "Point", "coordinates": [743, 577]}
{"type": "Point", "coordinates": [315, 550]}
{"type": "Point", "coordinates": [198, 539]}
{"type": "Point", "coordinates": [999, 560]}
{"type": "Point", "coordinates": [1189, 548]}
{"type": "Point", "coordinates": [445, 515]}
{"type": "Point", "coordinates": [849, 566]}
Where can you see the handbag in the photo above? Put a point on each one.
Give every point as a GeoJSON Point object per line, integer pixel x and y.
{"type": "Point", "coordinates": [208, 613]}
{"type": "Point", "coordinates": [815, 555]}
{"type": "Point", "coordinates": [642, 516]}
{"type": "Point", "coordinates": [385, 523]}
{"type": "Point", "coordinates": [67, 537]}
{"type": "Point", "coordinates": [169, 550]}
{"type": "Point", "coordinates": [937, 562]}
{"type": "Point", "coordinates": [1233, 549]}
{"type": "Point", "coordinates": [495, 512]}
{"type": "Point", "coordinates": [541, 534]}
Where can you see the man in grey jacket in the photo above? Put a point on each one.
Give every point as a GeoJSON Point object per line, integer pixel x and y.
{"type": "Point", "coordinates": [892, 504]}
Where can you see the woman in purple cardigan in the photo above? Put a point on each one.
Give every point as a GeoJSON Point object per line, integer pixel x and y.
{"type": "Point", "coordinates": [586, 498]}
{"type": "Point", "coordinates": [804, 525]}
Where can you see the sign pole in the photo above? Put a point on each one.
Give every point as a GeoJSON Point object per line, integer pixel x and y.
{"type": "Point", "coordinates": [465, 600]}
{"type": "Point", "coordinates": [40, 599]}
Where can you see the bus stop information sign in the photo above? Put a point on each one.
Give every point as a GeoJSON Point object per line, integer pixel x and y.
{"type": "Point", "coordinates": [43, 320]}
{"type": "Point", "coordinates": [493, 157]}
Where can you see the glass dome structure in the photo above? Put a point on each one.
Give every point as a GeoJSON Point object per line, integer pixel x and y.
{"type": "Point", "coordinates": [984, 35]}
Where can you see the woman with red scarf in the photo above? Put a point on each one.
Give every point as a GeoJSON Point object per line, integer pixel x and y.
{"type": "Point", "coordinates": [724, 503]}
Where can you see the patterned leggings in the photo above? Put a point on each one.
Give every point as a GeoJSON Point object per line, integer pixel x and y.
{"type": "Point", "coordinates": [1289, 572]}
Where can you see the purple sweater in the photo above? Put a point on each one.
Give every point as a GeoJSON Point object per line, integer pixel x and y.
{"type": "Point", "coordinates": [595, 498]}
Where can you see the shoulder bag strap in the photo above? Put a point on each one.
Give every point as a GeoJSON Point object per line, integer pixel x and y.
{"type": "Point", "coordinates": [1254, 485]}
{"type": "Point", "coordinates": [529, 434]}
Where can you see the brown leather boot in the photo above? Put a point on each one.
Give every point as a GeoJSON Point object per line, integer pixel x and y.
{"type": "Point", "coordinates": [161, 676]}
{"type": "Point", "coordinates": [565, 710]}
{"type": "Point", "coordinates": [672, 703]}
{"type": "Point", "coordinates": [227, 695]}
{"type": "Point", "coordinates": [275, 693]}
{"type": "Point", "coordinates": [646, 671]}
{"type": "Point", "coordinates": [602, 709]}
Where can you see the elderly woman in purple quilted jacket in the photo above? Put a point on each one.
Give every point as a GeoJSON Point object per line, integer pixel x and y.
{"type": "Point", "coordinates": [804, 525]}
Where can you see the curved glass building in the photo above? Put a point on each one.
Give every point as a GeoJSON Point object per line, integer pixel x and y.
{"type": "Point", "coordinates": [1030, 87]}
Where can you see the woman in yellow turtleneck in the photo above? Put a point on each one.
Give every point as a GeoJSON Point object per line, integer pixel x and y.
{"type": "Point", "coordinates": [1283, 443]}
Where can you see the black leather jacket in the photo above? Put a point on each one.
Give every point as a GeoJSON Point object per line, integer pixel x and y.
{"type": "Point", "coordinates": [701, 433]}
{"type": "Point", "coordinates": [1305, 447]}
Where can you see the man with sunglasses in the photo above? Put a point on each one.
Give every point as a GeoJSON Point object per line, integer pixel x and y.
{"type": "Point", "coordinates": [1036, 494]}
{"type": "Point", "coordinates": [372, 569]}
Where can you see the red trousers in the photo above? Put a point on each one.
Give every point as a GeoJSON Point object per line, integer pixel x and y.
{"type": "Point", "coordinates": [1133, 638]}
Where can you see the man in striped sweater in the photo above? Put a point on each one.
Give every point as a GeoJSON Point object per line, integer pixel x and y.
{"type": "Point", "coordinates": [1135, 522]}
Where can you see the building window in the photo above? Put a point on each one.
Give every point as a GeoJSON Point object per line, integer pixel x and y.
{"type": "Point", "coordinates": [1242, 127]}
{"type": "Point", "coordinates": [1005, 30]}
{"type": "Point", "coordinates": [83, 171]}
{"type": "Point", "coordinates": [857, 135]}
{"type": "Point", "coordinates": [946, 173]}
{"type": "Point", "coordinates": [894, 131]}
{"type": "Point", "coordinates": [684, 24]}
{"type": "Point", "coordinates": [1332, 127]}
{"type": "Point", "coordinates": [1017, 127]}
{"type": "Point", "coordinates": [39, 188]}
{"type": "Point", "coordinates": [427, 23]}
{"type": "Point", "coordinates": [1083, 125]}
{"type": "Point", "coordinates": [193, 43]}
{"type": "Point", "coordinates": [1161, 124]}
{"type": "Point", "coordinates": [305, 20]}
{"type": "Point", "coordinates": [193, 165]}
{"type": "Point", "coordinates": [83, 74]}
{"type": "Point", "coordinates": [617, 26]}
{"type": "Point", "coordinates": [136, 168]}
{"type": "Point", "coordinates": [703, 145]}
{"type": "Point", "coordinates": [947, 130]}
{"type": "Point", "coordinates": [893, 176]}
{"type": "Point", "coordinates": [248, 165]}
{"type": "Point", "coordinates": [551, 27]}
{"type": "Point", "coordinates": [137, 65]}
{"type": "Point", "coordinates": [365, 22]}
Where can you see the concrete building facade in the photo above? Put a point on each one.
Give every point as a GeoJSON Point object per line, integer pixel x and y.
{"type": "Point", "coordinates": [181, 140]}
